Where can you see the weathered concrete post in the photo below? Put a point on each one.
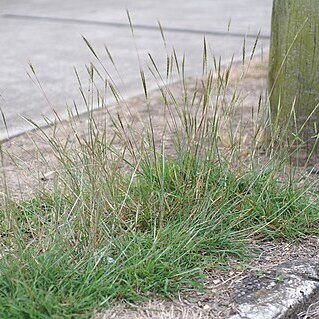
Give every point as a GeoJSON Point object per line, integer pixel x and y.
{"type": "Point", "coordinates": [294, 73]}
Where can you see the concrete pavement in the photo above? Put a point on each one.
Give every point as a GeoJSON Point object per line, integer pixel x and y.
{"type": "Point", "coordinates": [48, 34]}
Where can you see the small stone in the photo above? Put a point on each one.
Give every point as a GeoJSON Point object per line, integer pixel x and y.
{"type": "Point", "coordinates": [47, 176]}
{"type": "Point", "coordinates": [110, 260]}
{"type": "Point", "coordinates": [206, 307]}
{"type": "Point", "coordinates": [216, 281]}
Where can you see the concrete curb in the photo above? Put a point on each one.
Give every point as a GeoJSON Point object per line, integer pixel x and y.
{"type": "Point", "coordinates": [281, 293]}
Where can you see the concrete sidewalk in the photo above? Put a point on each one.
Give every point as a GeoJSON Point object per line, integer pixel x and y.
{"type": "Point", "coordinates": [48, 34]}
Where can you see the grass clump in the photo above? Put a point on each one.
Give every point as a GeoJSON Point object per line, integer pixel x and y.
{"type": "Point", "coordinates": [142, 211]}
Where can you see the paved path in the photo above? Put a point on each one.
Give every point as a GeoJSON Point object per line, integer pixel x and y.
{"type": "Point", "coordinates": [47, 33]}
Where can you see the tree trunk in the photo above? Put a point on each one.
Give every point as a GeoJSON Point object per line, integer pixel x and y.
{"type": "Point", "coordinates": [293, 81]}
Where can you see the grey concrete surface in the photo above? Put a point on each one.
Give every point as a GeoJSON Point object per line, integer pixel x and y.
{"type": "Point", "coordinates": [282, 293]}
{"type": "Point", "coordinates": [48, 34]}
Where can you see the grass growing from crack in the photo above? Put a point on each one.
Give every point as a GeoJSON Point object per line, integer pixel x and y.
{"type": "Point", "coordinates": [137, 213]}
